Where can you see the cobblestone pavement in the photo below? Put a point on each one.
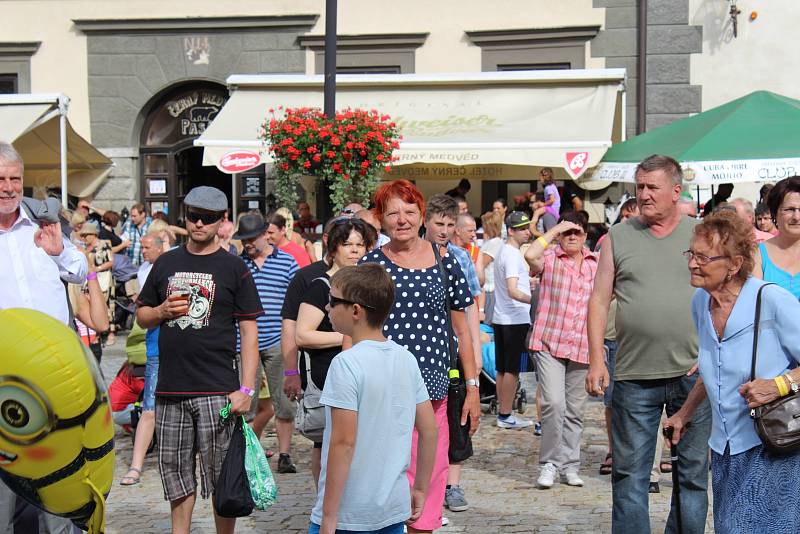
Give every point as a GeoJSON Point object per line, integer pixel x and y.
{"type": "Point", "coordinates": [500, 485]}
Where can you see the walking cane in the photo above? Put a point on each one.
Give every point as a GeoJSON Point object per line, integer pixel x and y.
{"type": "Point", "coordinates": [676, 488]}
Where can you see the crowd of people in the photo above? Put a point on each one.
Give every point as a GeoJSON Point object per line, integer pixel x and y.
{"type": "Point", "coordinates": [353, 347]}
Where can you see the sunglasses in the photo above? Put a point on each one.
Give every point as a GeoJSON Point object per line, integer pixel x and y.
{"type": "Point", "coordinates": [572, 232]}
{"type": "Point", "coordinates": [205, 218]}
{"type": "Point", "coordinates": [335, 301]}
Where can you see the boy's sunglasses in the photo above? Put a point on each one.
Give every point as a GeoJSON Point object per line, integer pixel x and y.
{"type": "Point", "coordinates": [206, 218]}
{"type": "Point", "coordinates": [335, 301]}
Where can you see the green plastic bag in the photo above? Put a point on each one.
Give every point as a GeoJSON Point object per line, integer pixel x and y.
{"type": "Point", "coordinates": [259, 474]}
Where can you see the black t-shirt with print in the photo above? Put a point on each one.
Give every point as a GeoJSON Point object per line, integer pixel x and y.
{"type": "Point", "coordinates": [317, 296]}
{"type": "Point", "coordinates": [197, 351]}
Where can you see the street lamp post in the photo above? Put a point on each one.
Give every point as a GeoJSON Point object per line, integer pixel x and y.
{"type": "Point", "coordinates": [323, 202]}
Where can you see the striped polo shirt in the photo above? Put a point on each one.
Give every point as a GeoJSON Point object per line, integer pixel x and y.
{"type": "Point", "coordinates": [271, 280]}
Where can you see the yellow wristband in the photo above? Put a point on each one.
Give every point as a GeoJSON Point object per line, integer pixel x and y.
{"type": "Point", "coordinates": [783, 389]}
{"type": "Point", "coordinates": [542, 241]}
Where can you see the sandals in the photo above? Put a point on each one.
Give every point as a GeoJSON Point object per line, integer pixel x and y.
{"type": "Point", "coordinates": [128, 480]}
{"type": "Point", "coordinates": [605, 467]}
{"type": "Point", "coordinates": [665, 467]}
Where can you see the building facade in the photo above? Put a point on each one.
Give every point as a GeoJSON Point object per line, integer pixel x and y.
{"type": "Point", "coordinates": [145, 78]}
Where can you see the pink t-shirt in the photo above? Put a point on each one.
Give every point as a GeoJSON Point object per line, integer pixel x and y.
{"type": "Point", "coordinates": [298, 253]}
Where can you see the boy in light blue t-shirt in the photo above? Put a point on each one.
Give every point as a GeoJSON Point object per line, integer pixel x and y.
{"type": "Point", "coordinates": [374, 397]}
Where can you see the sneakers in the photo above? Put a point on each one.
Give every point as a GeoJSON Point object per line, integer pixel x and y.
{"type": "Point", "coordinates": [513, 422]}
{"type": "Point", "coordinates": [285, 464]}
{"type": "Point", "coordinates": [455, 500]}
{"type": "Point", "coordinates": [537, 428]}
{"type": "Point", "coordinates": [547, 476]}
{"type": "Point", "coordinates": [571, 478]}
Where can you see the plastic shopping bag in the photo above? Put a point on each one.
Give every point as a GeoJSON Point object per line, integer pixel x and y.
{"type": "Point", "coordinates": [232, 497]}
{"type": "Point", "coordinates": [262, 483]}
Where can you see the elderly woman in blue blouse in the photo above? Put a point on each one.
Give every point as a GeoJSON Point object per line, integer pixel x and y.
{"type": "Point", "coordinates": [754, 491]}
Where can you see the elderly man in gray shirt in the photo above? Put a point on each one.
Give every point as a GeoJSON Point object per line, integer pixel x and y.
{"type": "Point", "coordinates": [641, 264]}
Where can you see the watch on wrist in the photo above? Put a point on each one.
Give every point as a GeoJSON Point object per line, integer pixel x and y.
{"type": "Point", "coordinates": [247, 391]}
{"type": "Point", "coordinates": [471, 382]}
{"type": "Point", "coordinates": [793, 386]}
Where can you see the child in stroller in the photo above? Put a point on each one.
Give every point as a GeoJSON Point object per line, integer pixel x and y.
{"type": "Point", "coordinates": [488, 385]}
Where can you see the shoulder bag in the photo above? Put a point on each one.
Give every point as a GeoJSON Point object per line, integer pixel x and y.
{"type": "Point", "coordinates": [309, 418]}
{"type": "Point", "coordinates": [778, 422]}
{"type": "Point", "coordinates": [460, 440]}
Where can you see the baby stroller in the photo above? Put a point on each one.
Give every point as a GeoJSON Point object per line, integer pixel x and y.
{"type": "Point", "coordinates": [488, 384]}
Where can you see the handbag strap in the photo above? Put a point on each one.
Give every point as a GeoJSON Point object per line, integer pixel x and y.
{"type": "Point", "coordinates": [445, 282]}
{"type": "Point", "coordinates": [755, 331]}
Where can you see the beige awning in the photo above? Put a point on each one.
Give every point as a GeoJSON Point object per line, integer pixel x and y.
{"type": "Point", "coordinates": [31, 124]}
{"type": "Point", "coordinates": [493, 125]}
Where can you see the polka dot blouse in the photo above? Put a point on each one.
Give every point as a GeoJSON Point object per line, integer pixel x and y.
{"type": "Point", "coordinates": [417, 320]}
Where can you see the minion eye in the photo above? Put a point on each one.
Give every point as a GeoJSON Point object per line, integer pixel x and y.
{"type": "Point", "coordinates": [22, 414]}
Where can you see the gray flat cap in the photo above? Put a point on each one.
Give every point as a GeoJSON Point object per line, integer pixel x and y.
{"type": "Point", "coordinates": [206, 198]}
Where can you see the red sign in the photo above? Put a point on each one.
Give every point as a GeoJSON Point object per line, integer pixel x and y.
{"type": "Point", "coordinates": [239, 161]}
{"type": "Point", "coordinates": [577, 163]}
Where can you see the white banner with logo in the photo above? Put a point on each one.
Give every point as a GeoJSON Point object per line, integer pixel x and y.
{"type": "Point", "coordinates": [561, 119]}
{"type": "Point", "coordinates": [711, 172]}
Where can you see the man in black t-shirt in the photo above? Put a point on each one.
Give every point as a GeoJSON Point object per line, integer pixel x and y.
{"type": "Point", "coordinates": [196, 294]}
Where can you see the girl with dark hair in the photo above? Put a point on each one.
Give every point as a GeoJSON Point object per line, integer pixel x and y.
{"type": "Point", "coordinates": [348, 241]}
{"type": "Point", "coordinates": [778, 260]}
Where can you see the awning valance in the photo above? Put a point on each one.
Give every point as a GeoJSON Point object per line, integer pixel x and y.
{"type": "Point", "coordinates": [32, 124]}
{"type": "Point", "coordinates": [562, 119]}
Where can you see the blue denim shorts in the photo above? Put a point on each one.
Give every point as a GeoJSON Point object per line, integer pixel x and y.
{"type": "Point", "coordinates": [611, 360]}
{"type": "Point", "coordinates": [397, 528]}
{"type": "Point", "coordinates": [150, 381]}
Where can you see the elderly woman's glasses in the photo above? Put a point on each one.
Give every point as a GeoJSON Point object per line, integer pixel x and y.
{"type": "Point", "coordinates": [700, 259]}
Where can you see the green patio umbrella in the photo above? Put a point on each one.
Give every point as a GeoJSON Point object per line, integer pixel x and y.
{"type": "Point", "coordinates": [751, 139]}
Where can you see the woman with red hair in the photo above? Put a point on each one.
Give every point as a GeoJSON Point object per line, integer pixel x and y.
{"type": "Point", "coordinates": [419, 322]}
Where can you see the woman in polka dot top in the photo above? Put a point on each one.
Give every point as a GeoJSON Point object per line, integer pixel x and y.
{"type": "Point", "coordinates": [418, 319]}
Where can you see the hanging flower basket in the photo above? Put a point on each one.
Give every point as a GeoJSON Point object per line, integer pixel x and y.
{"type": "Point", "coordinates": [349, 151]}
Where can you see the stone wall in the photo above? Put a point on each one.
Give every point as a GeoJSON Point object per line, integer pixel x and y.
{"type": "Point", "coordinates": [670, 42]}
{"type": "Point", "coordinates": [131, 63]}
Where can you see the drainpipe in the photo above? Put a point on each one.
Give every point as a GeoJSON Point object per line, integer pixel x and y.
{"type": "Point", "coordinates": [641, 67]}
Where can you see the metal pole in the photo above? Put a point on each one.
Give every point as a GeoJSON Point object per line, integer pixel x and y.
{"type": "Point", "coordinates": [324, 210]}
{"type": "Point", "coordinates": [63, 106]}
{"type": "Point", "coordinates": [234, 200]}
{"type": "Point", "coordinates": [330, 58]}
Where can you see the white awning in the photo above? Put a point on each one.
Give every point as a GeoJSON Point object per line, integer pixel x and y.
{"type": "Point", "coordinates": [490, 120]}
{"type": "Point", "coordinates": [31, 124]}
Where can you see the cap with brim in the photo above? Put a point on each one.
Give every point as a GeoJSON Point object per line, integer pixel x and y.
{"type": "Point", "coordinates": [206, 198]}
{"type": "Point", "coordinates": [250, 226]}
{"type": "Point", "coordinates": [88, 228]}
{"type": "Point", "coordinates": [517, 219]}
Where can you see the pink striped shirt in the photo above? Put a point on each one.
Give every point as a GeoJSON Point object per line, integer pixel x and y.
{"type": "Point", "coordinates": [560, 327]}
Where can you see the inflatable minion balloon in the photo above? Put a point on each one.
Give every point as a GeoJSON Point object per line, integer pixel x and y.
{"type": "Point", "coordinates": [56, 434]}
